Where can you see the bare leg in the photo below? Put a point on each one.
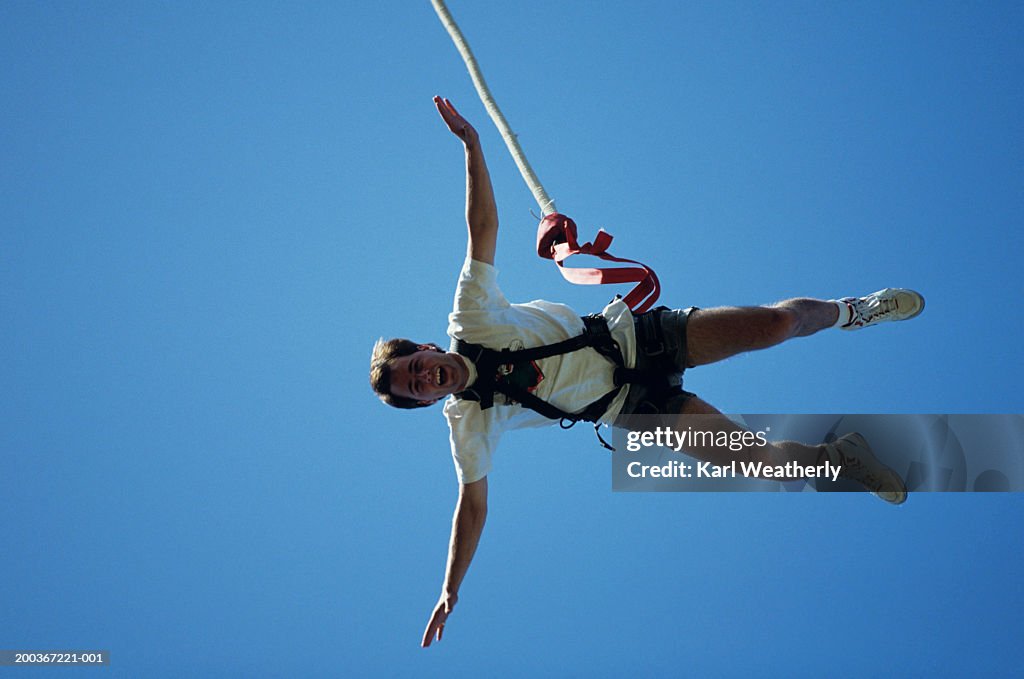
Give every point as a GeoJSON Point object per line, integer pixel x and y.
{"type": "Point", "coordinates": [716, 334]}
{"type": "Point", "coordinates": [775, 453]}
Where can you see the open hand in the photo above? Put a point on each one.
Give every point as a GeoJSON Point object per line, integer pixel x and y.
{"type": "Point", "coordinates": [435, 628]}
{"type": "Point", "coordinates": [459, 126]}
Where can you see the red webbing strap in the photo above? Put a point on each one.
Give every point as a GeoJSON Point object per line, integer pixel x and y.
{"type": "Point", "coordinates": [556, 239]}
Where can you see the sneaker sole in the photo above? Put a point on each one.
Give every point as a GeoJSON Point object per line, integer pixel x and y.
{"type": "Point", "coordinates": [865, 453]}
{"type": "Point", "coordinates": [920, 298]}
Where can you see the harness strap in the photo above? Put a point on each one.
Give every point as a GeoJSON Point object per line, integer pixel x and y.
{"type": "Point", "coordinates": [557, 240]}
{"type": "Point", "coordinates": [596, 327]}
{"type": "Point", "coordinates": [482, 390]}
{"type": "Point", "coordinates": [592, 413]}
{"type": "Point", "coordinates": [595, 334]}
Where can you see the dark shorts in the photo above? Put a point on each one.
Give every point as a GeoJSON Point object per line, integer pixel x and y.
{"type": "Point", "coordinates": [660, 346]}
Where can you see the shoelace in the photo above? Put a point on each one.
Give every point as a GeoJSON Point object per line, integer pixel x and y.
{"type": "Point", "coordinates": [854, 469]}
{"type": "Point", "coordinates": [881, 307]}
{"type": "Point", "coordinates": [862, 474]}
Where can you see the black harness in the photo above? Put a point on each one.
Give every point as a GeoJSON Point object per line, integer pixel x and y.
{"type": "Point", "coordinates": [489, 364]}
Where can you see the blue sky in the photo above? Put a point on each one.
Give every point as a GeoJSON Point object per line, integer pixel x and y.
{"type": "Point", "coordinates": [209, 212]}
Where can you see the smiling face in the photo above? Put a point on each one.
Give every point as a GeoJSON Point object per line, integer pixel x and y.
{"type": "Point", "coordinates": [428, 375]}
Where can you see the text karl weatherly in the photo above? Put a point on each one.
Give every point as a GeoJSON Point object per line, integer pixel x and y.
{"type": "Point", "coordinates": [791, 471]}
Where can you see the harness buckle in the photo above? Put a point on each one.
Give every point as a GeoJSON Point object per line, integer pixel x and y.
{"type": "Point", "coordinates": [596, 326]}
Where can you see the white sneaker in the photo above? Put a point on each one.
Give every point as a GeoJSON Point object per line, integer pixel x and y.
{"type": "Point", "coordinates": [891, 304]}
{"type": "Point", "coordinates": [857, 463]}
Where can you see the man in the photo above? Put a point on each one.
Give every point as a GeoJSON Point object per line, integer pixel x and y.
{"type": "Point", "coordinates": [410, 375]}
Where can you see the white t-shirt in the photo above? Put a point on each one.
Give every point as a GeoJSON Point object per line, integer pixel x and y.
{"type": "Point", "coordinates": [572, 381]}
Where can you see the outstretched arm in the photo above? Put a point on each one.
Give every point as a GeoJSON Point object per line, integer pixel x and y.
{"type": "Point", "coordinates": [467, 525]}
{"type": "Point", "coordinates": [481, 212]}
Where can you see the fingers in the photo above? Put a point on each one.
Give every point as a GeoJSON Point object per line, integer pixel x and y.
{"type": "Point", "coordinates": [444, 106]}
{"type": "Point", "coordinates": [441, 108]}
{"type": "Point", "coordinates": [428, 634]}
{"type": "Point", "coordinates": [433, 633]}
{"type": "Point", "coordinates": [451, 120]}
{"type": "Point", "coordinates": [458, 125]}
{"type": "Point", "coordinates": [445, 101]}
{"type": "Point", "coordinates": [446, 109]}
{"type": "Point", "coordinates": [435, 628]}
